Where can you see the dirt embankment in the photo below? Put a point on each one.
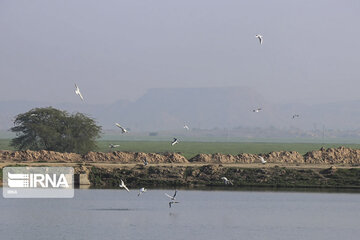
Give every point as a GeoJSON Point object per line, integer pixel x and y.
{"type": "Point", "coordinates": [38, 156]}
{"type": "Point", "coordinates": [339, 155]}
{"type": "Point", "coordinates": [114, 157]}
{"type": "Point", "coordinates": [273, 157]}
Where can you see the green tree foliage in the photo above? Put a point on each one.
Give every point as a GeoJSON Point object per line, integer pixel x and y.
{"type": "Point", "coordinates": [55, 130]}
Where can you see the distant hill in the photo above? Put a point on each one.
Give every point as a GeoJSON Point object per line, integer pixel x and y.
{"type": "Point", "coordinates": [203, 108]}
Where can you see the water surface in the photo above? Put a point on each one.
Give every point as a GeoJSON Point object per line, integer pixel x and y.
{"type": "Point", "coordinates": [117, 214]}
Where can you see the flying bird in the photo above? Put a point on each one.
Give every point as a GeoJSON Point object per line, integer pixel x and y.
{"type": "Point", "coordinates": [257, 110]}
{"type": "Point", "coordinates": [262, 160]}
{"type": "Point", "coordinates": [295, 116]}
{"type": "Point", "coordinates": [227, 181]}
{"type": "Point", "coordinates": [141, 191]}
{"type": "Point", "coordinates": [123, 130]}
{"type": "Point", "coordinates": [260, 38]}
{"type": "Point", "coordinates": [172, 202]}
{"type": "Point", "coordinates": [186, 127]}
{"type": "Point", "coordinates": [172, 198]}
{"type": "Point", "coordinates": [77, 91]}
{"type": "Point", "coordinates": [113, 146]}
{"type": "Point", "coordinates": [145, 162]}
{"type": "Point", "coordinates": [175, 141]}
{"type": "Point", "coordinates": [122, 185]}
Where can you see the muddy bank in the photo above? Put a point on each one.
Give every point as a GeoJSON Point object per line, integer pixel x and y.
{"type": "Point", "coordinates": [341, 155]}
{"type": "Point", "coordinates": [210, 175]}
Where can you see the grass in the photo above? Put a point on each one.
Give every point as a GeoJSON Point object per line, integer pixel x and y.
{"type": "Point", "coordinates": [190, 149]}
{"type": "Point", "coordinates": [5, 144]}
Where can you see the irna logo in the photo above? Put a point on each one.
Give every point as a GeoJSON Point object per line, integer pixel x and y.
{"type": "Point", "coordinates": [38, 182]}
{"type": "Point", "coordinates": [16, 180]}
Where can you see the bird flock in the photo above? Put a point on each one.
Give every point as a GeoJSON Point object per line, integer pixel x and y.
{"type": "Point", "coordinates": [186, 127]}
{"type": "Point", "coordinates": [123, 129]}
{"type": "Point", "coordinates": [172, 199]}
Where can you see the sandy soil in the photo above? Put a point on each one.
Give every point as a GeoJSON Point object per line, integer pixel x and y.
{"type": "Point", "coordinates": [239, 165]}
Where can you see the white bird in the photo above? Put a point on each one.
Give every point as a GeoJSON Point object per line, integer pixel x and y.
{"type": "Point", "coordinates": [175, 141]}
{"type": "Point", "coordinates": [227, 181]}
{"type": "Point", "coordinates": [172, 202]}
{"type": "Point", "coordinates": [145, 162]}
{"type": "Point", "coordinates": [123, 130]}
{"type": "Point", "coordinates": [186, 127]}
{"type": "Point", "coordinates": [262, 160]}
{"type": "Point", "coordinates": [77, 91]}
{"type": "Point", "coordinates": [172, 198]}
{"type": "Point", "coordinates": [142, 190]}
{"type": "Point", "coordinates": [113, 146]}
{"type": "Point", "coordinates": [295, 116]}
{"type": "Point", "coordinates": [257, 110]}
{"type": "Point", "coordinates": [260, 38]}
{"type": "Point", "coordinates": [122, 185]}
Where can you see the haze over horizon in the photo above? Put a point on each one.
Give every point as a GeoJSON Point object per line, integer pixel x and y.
{"type": "Point", "coordinates": [119, 49]}
{"type": "Point", "coordinates": [162, 109]}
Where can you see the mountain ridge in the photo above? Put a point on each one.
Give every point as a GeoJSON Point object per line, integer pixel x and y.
{"type": "Point", "coordinates": [205, 108]}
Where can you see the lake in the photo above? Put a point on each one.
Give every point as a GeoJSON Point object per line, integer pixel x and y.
{"type": "Point", "coordinates": [117, 214]}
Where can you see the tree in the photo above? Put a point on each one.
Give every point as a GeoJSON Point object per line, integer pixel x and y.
{"type": "Point", "coordinates": [55, 130]}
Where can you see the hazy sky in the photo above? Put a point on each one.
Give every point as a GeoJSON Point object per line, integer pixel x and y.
{"type": "Point", "coordinates": [116, 49]}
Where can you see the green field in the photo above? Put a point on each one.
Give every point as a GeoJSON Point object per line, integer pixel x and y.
{"type": "Point", "coordinates": [190, 149]}
{"type": "Point", "coordinates": [4, 144]}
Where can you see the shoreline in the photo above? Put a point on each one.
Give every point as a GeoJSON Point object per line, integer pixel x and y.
{"type": "Point", "coordinates": [208, 176]}
{"type": "Point", "coordinates": [324, 168]}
